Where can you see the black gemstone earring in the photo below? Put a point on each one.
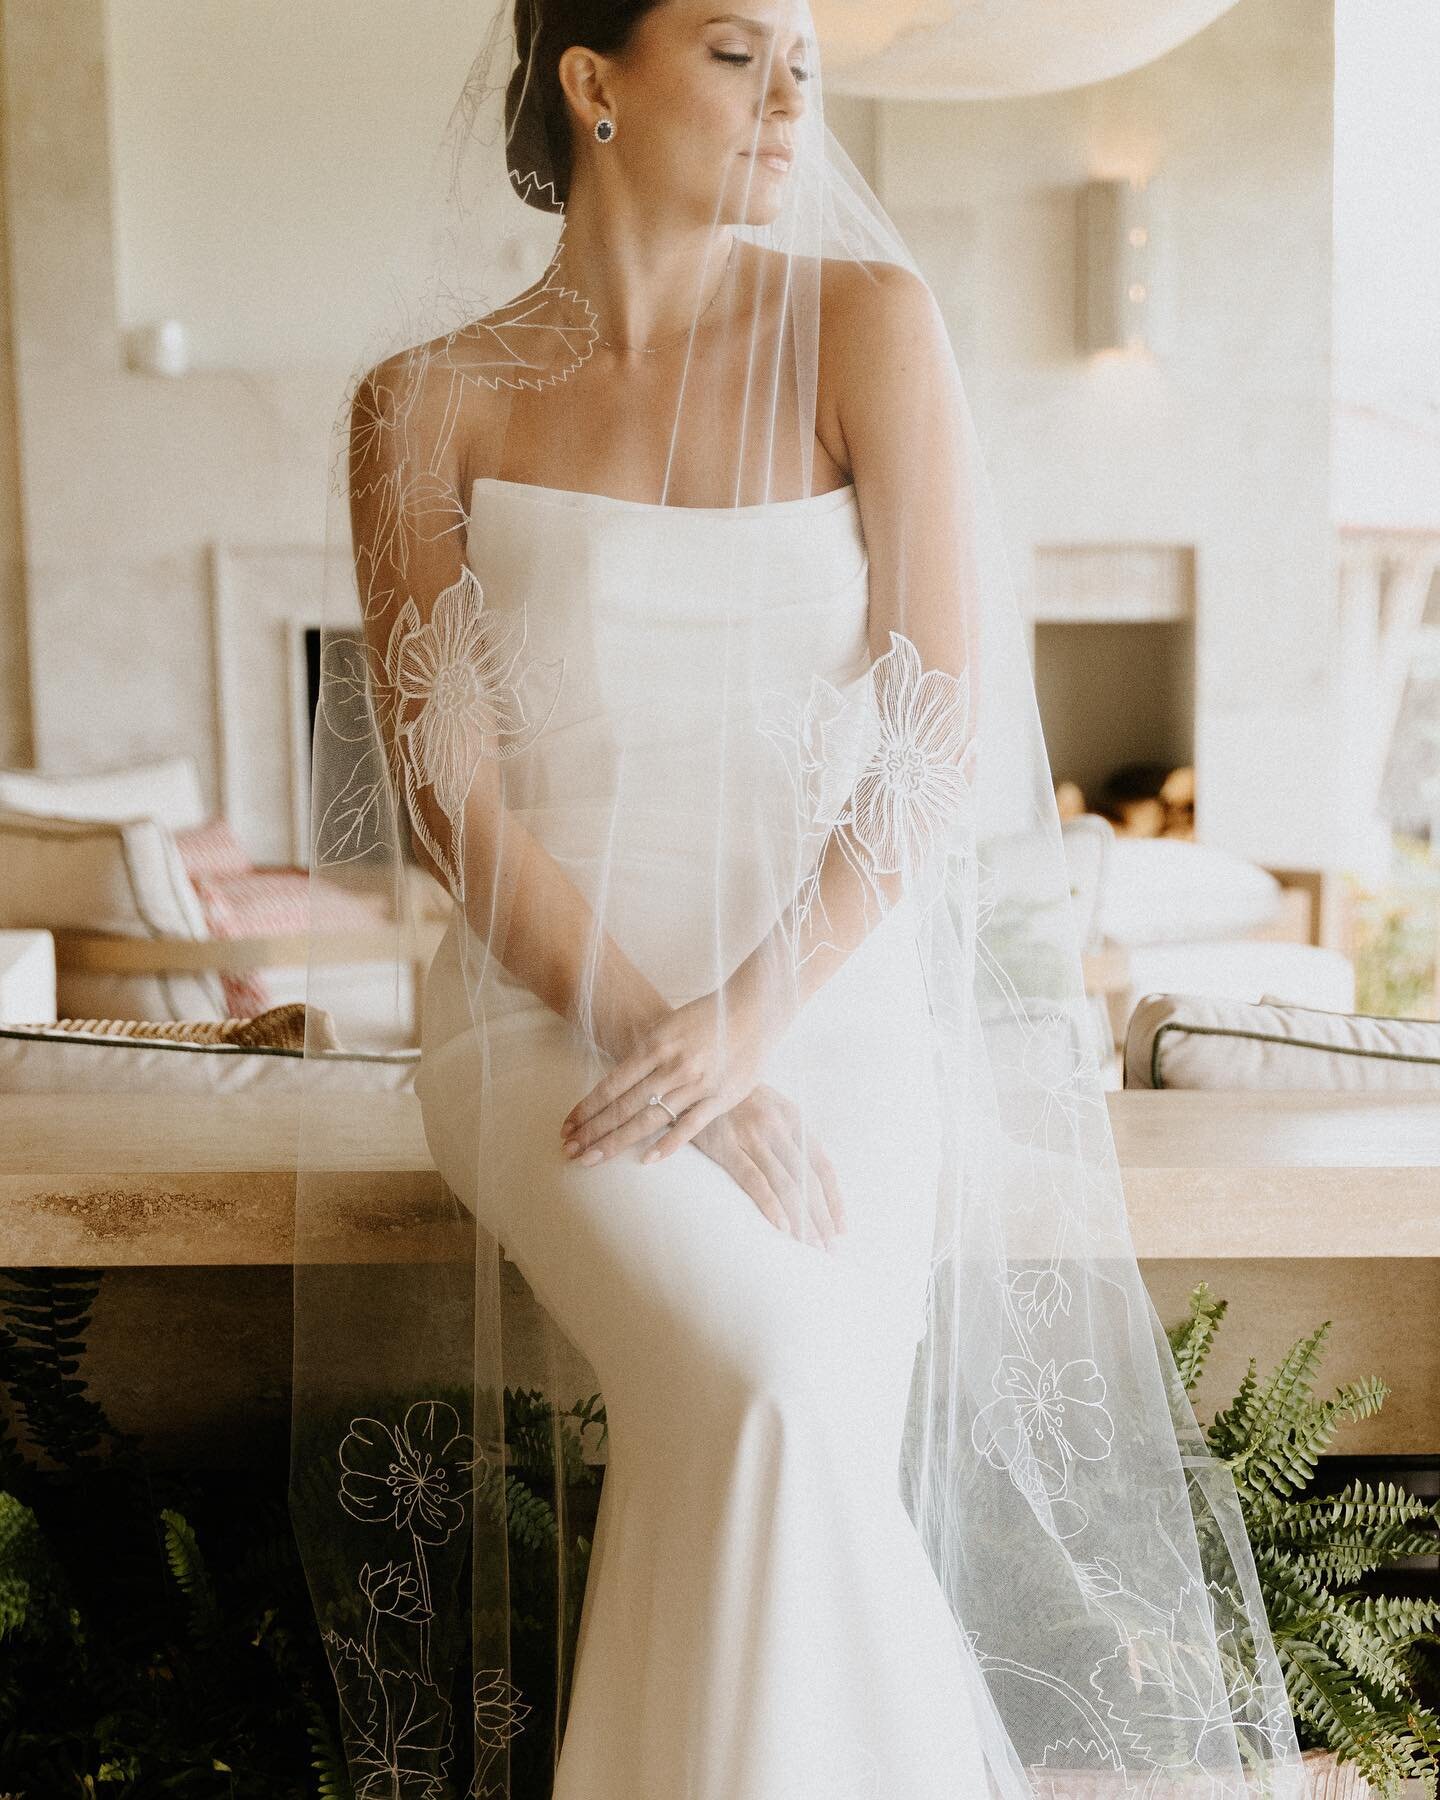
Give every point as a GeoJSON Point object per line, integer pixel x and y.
{"type": "Point", "coordinates": [604, 130]}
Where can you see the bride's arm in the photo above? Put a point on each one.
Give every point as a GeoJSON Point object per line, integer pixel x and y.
{"type": "Point", "coordinates": [902, 413]}
{"type": "Point", "coordinates": [421, 605]}
{"type": "Point", "coordinates": [902, 417]}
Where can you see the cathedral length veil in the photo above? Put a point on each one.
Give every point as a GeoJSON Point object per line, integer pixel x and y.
{"type": "Point", "coordinates": [1090, 1549]}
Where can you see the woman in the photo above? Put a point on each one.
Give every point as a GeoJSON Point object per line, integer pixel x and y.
{"type": "Point", "coordinates": [689, 670]}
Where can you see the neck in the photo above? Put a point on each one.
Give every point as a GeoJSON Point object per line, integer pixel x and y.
{"type": "Point", "coordinates": [645, 285]}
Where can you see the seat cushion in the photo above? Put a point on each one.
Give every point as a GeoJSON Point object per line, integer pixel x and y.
{"type": "Point", "coordinates": [1170, 890]}
{"type": "Point", "coordinates": [166, 788]}
{"type": "Point", "coordinates": [1194, 1041]}
{"type": "Point", "coordinates": [123, 877]}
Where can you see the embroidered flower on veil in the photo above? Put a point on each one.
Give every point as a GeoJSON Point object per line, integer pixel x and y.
{"type": "Point", "coordinates": [917, 781]}
{"type": "Point", "coordinates": [460, 669]}
{"type": "Point", "coordinates": [414, 1475]}
{"type": "Point", "coordinates": [893, 763]}
{"type": "Point", "coordinates": [449, 691]}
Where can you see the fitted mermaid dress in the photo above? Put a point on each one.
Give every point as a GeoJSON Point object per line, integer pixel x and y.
{"type": "Point", "coordinates": [760, 1620]}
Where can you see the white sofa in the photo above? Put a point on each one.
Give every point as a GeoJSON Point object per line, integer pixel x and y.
{"type": "Point", "coordinates": [1186, 917]}
{"type": "Point", "coordinates": [157, 912]}
{"type": "Point", "coordinates": [1200, 1041]}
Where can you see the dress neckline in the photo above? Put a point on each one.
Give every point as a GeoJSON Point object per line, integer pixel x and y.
{"type": "Point", "coordinates": [583, 496]}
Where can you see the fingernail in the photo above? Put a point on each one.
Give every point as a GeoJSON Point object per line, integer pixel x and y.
{"type": "Point", "coordinates": [650, 1156]}
{"type": "Point", "coordinates": [572, 1149]}
{"type": "Point", "coordinates": [590, 1158]}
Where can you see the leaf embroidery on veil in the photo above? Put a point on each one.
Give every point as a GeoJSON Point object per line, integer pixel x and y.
{"type": "Point", "coordinates": [449, 692]}
{"type": "Point", "coordinates": [891, 769]}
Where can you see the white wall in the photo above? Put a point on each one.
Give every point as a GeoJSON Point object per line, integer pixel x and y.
{"type": "Point", "coordinates": [1387, 263]}
{"type": "Point", "coordinates": [266, 157]}
{"type": "Point", "coordinates": [262, 151]}
{"type": "Point", "coordinates": [1224, 442]}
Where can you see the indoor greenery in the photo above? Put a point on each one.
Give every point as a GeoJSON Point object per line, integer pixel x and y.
{"type": "Point", "coordinates": [1359, 1665]}
{"type": "Point", "coordinates": [157, 1637]}
{"type": "Point", "coordinates": [156, 1633]}
{"type": "Point", "coordinates": [1396, 935]}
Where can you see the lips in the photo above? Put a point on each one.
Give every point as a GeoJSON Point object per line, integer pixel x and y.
{"type": "Point", "coordinates": [774, 156]}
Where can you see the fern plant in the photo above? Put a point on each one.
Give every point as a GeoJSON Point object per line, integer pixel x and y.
{"type": "Point", "coordinates": [1354, 1661]}
{"type": "Point", "coordinates": [156, 1631]}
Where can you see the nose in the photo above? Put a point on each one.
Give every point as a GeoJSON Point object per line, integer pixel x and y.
{"type": "Point", "coordinates": [784, 94]}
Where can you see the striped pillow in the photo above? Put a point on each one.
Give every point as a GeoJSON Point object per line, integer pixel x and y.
{"type": "Point", "coordinates": [273, 903]}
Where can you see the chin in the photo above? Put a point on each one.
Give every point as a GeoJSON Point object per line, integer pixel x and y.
{"type": "Point", "coordinates": [761, 205]}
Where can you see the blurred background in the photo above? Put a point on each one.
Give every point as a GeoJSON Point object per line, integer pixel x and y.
{"type": "Point", "coordinates": [1189, 256]}
{"type": "Point", "coordinates": [1194, 288]}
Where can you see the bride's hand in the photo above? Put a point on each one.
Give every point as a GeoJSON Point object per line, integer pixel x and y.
{"type": "Point", "coordinates": [702, 1059]}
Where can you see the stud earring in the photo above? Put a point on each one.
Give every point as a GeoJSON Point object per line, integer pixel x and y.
{"type": "Point", "coordinates": [604, 130]}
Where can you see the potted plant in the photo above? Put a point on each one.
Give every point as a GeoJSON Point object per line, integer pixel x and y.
{"type": "Point", "coordinates": [1352, 1658]}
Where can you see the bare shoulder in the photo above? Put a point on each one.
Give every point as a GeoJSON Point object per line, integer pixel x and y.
{"type": "Point", "coordinates": [873, 309]}
{"type": "Point", "coordinates": [403, 407]}
{"type": "Point", "coordinates": [418, 380]}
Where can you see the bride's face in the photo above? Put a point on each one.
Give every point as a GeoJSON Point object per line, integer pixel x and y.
{"type": "Point", "coordinates": [708, 99]}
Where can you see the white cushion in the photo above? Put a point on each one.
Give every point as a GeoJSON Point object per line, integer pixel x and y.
{"type": "Point", "coordinates": [1245, 969]}
{"type": "Point", "coordinates": [167, 789]}
{"type": "Point", "coordinates": [1192, 1041]}
{"type": "Point", "coordinates": [1163, 890]}
{"type": "Point", "coordinates": [1088, 842]}
{"type": "Point", "coordinates": [37, 1060]}
{"type": "Point", "coordinates": [27, 976]}
{"type": "Point", "coordinates": [122, 877]}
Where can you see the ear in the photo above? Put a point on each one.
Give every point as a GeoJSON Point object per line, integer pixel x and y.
{"type": "Point", "coordinates": [585, 82]}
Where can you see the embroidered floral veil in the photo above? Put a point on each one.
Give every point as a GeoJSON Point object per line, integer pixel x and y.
{"type": "Point", "coordinates": [448, 1439]}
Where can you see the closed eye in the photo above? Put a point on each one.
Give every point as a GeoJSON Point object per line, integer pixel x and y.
{"type": "Point", "coordinates": [741, 58]}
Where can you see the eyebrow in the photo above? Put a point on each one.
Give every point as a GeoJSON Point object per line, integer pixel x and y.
{"type": "Point", "coordinates": [757, 25]}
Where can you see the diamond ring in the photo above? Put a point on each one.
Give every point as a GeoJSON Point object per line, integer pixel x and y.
{"type": "Point", "coordinates": [655, 1100]}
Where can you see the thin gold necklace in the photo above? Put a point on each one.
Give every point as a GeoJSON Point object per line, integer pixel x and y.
{"type": "Point", "coordinates": [654, 349]}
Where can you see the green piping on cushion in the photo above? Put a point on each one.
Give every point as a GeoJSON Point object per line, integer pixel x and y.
{"type": "Point", "coordinates": [1267, 1037]}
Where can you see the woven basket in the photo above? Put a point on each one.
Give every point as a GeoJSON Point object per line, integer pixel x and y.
{"type": "Point", "coordinates": [279, 1028]}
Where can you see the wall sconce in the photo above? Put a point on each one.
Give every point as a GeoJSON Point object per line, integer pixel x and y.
{"type": "Point", "coordinates": [1119, 286]}
{"type": "Point", "coordinates": [161, 348]}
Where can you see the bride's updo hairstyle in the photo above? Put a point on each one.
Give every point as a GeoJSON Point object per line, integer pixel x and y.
{"type": "Point", "coordinates": [539, 148]}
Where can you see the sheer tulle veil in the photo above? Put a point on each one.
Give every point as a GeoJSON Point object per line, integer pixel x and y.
{"type": "Point", "coordinates": [448, 1440]}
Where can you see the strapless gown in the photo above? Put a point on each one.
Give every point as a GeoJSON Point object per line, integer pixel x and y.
{"type": "Point", "coordinates": [761, 1621]}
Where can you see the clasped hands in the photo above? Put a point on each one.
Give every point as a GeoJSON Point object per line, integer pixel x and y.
{"type": "Point", "coordinates": [703, 1059]}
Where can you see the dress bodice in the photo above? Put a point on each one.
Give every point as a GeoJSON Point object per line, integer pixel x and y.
{"type": "Point", "coordinates": [655, 648]}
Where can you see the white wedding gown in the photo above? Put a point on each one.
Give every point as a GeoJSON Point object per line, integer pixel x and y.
{"type": "Point", "coordinates": [761, 1621]}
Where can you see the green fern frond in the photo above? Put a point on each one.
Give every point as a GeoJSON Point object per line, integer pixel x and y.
{"type": "Point", "coordinates": [1352, 1661]}
{"type": "Point", "coordinates": [187, 1564]}
{"type": "Point", "coordinates": [20, 1551]}
{"type": "Point", "coordinates": [1398, 1618]}
{"type": "Point", "coordinates": [47, 1313]}
{"type": "Point", "coordinates": [531, 1520]}
{"type": "Point", "coordinates": [326, 1757]}
{"type": "Point", "coordinates": [1324, 1693]}
{"type": "Point", "coordinates": [1229, 1429]}
{"type": "Point", "coordinates": [1190, 1341]}
{"type": "Point", "coordinates": [1276, 1406]}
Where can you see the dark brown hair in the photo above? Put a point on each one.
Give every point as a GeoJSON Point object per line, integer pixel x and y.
{"type": "Point", "coordinates": [538, 149]}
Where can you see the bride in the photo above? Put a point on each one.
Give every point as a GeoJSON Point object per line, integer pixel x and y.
{"type": "Point", "coordinates": [676, 645]}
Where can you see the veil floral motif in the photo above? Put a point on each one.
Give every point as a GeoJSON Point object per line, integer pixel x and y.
{"type": "Point", "coordinates": [449, 1440]}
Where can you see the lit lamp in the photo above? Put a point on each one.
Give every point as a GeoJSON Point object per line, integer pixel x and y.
{"type": "Point", "coordinates": [1118, 286]}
